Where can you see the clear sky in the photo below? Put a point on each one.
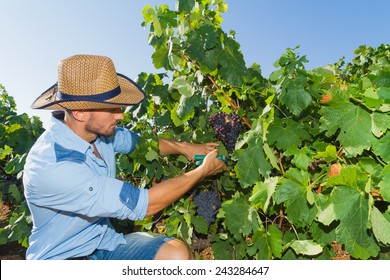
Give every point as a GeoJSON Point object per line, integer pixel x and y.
{"type": "Point", "coordinates": [35, 35]}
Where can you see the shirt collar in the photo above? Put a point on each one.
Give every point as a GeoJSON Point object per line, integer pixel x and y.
{"type": "Point", "coordinates": [64, 136]}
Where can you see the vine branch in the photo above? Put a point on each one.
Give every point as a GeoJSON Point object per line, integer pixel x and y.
{"type": "Point", "coordinates": [212, 80]}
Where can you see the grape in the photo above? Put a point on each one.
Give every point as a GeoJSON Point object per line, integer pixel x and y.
{"type": "Point", "coordinates": [207, 204]}
{"type": "Point", "coordinates": [227, 128]}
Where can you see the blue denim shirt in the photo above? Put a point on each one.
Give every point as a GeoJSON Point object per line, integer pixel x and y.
{"type": "Point", "coordinates": [72, 194]}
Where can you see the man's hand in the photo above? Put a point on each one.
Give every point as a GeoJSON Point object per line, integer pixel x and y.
{"type": "Point", "coordinates": [212, 165]}
{"type": "Point", "coordinates": [198, 149]}
{"type": "Point", "coordinates": [189, 150]}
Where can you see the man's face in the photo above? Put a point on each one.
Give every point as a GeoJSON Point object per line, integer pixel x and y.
{"type": "Point", "coordinates": [103, 121]}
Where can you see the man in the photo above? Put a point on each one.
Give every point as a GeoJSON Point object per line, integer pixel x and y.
{"type": "Point", "coordinates": [69, 176]}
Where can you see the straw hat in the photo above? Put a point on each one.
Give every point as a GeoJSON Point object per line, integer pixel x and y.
{"type": "Point", "coordinates": [89, 82]}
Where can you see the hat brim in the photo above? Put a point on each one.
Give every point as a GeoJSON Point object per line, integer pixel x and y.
{"type": "Point", "coordinates": [130, 95]}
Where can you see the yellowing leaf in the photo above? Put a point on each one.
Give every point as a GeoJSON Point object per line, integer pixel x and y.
{"type": "Point", "coordinates": [334, 169]}
{"type": "Point", "coordinates": [327, 97]}
{"type": "Point", "coordinates": [306, 247]}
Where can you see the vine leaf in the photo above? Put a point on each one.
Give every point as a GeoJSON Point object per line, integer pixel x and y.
{"type": "Point", "coordinates": [354, 124]}
{"type": "Point", "coordinates": [323, 234]}
{"type": "Point", "coordinates": [183, 111]}
{"type": "Point", "coordinates": [296, 193]}
{"type": "Point", "coordinates": [267, 244]}
{"type": "Point", "coordinates": [301, 157]}
{"type": "Point", "coordinates": [380, 124]}
{"type": "Point", "coordinates": [262, 193]}
{"type": "Point", "coordinates": [351, 208]}
{"type": "Point", "coordinates": [160, 58]}
{"type": "Point", "coordinates": [183, 86]}
{"type": "Point", "coordinates": [381, 147]}
{"type": "Point", "coordinates": [151, 155]}
{"type": "Point", "coordinates": [294, 95]}
{"type": "Point", "coordinates": [232, 62]}
{"type": "Point", "coordinates": [348, 176]}
{"type": "Point", "coordinates": [251, 161]}
{"type": "Point", "coordinates": [380, 226]}
{"type": "Point", "coordinates": [306, 247]}
{"type": "Point", "coordinates": [223, 250]}
{"type": "Point", "coordinates": [286, 133]}
{"type": "Point", "coordinates": [200, 225]}
{"type": "Point", "coordinates": [241, 219]}
{"type": "Point", "coordinates": [385, 183]}
{"type": "Point", "coordinates": [185, 5]}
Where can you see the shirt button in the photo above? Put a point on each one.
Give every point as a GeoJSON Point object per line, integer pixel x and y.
{"type": "Point", "coordinates": [90, 188]}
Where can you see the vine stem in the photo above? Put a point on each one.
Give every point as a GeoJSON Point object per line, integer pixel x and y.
{"type": "Point", "coordinates": [212, 80]}
{"type": "Point", "coordinates": [295, 231]}
{"type": "Point", "coordinates": [235, 107]}
{"type": "Point", "coordinates": [281, 215]}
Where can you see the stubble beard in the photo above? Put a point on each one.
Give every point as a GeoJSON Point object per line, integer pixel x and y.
{"type": "Point", "coordinates": [100, 129]}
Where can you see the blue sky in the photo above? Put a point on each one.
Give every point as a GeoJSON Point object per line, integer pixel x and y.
{"type": "Point", "coordinates": [35, 35]}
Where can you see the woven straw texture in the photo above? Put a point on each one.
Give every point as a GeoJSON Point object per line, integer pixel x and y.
{"type": "Point", "coordinates": [87, 76]}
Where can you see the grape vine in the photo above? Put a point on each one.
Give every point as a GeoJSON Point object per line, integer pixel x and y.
{"type": "Point", "coordinates": [309, 164]}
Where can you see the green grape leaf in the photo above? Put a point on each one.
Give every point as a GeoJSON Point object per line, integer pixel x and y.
{"type": "Point", "coordinates": [240, 218]}
{"type": "Point", "coordinates": [380, 226]}
{"type": "Point", "coordinates": [160, 58]}
{"type": "Point", "coordinates": [286, 133]}
{"type": "Point", "coordinates": [185, 5]}
{"type": "Point", "coordinates": [183, 86]}
{"type": "Point", "coordinates": [381, 78]}
{"type": "Point", "coordinates": [306, 247]}
{"type": "Point", "coordinates": [349, 176]}
{"type": "Point", "coordinates": [275, 240]}
{"type": "Point", "coordinates": [329, 154]}
{"type": "Point", "coordinates": [202, 47]}
{"type": "Point", "coordinates": [151, 155]}
{"type": "Point", "coordinates": [262, 193]}
{"type": "Point", "coordinates": [251, 164]}
{"type": "Point", "coordinates": [200, 225]}
{"type": "Point", "coordinates": [294, 95]}
{"type": "Point", "coordinates": [296, 193]}
{"type": "Point", "coordinates": [15, 192]}
{"type": "Point", "coordinates": [267, 244]}
{"type": "Point", "coordinates": [179, 108]}
{"type": "Point", "coordinates": [301, 157]}
{"type": "Point", "coordinates": [384, 93]}
{"type": "Point", "coordinates": [381, 147]}
{"type": "Point", "coordinates": [232, 62]}
{"type": "Point", "coordinates": [380, 124]}
{"type": "Point", "coordinates": [186, 106]}
{"type": "Point", "coordinates": [385, 183]}
{"type": "Point", "coordinates": [223, 250]}
{"type": "Point", "coordinates": [4, 152]}
{"type": "Point", "coordinates": [354, 124]}
{"type": "Point", "coordinates": [352, 209]}
{"type": "Point", "coordinates": [322, 234]}
{"type": "Point", "coordinates": [156, 22]}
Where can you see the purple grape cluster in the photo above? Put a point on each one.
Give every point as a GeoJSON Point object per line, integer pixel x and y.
{"type": "Point", "coordinates": [207, 205]}
{"type": "Point", "coordinates": [227, 128]}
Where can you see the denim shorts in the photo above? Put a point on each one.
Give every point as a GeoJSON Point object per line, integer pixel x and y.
{"type": "Point", "coordinates": [139, 246]}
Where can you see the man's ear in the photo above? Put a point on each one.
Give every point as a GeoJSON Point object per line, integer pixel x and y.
{"type": "Point", "coordinates": [80, 116]}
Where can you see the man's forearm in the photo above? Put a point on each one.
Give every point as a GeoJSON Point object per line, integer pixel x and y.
{"type": "Point", "coordinates": [163, 194]}
{"type": "Point", "coordinates": [169, 147]}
